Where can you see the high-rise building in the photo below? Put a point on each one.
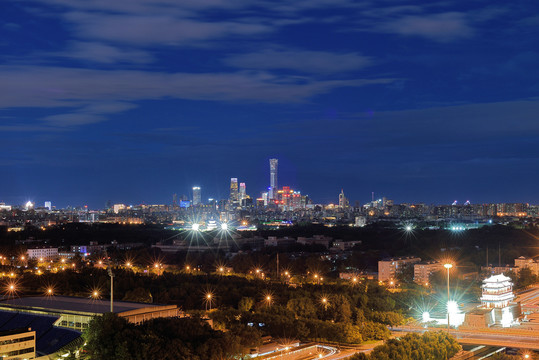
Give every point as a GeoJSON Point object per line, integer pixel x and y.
{"type": "Point", "coordinates": [48, 205]}
{"type": "Point", "coordinates": [243, 194]}
{"type": "Point", "coordinates": [234, 196]}
{"type": "Point", "coordinates": [343, 201]}
{"type": "Point", "coordinates": [197, 198]}
{"type": "Point", "coordinates": [273, 178]}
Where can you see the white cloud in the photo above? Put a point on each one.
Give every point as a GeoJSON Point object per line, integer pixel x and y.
{"type": "Point", "coordinates": [439, 27]}
{"type": "Point", "coordinates": [156, 29]}
{"type": "Point", "coordinates": [103, 53]}
{"type": "Point", "coordinates": [85, 90]}
{"type": "Point", "coordinates": [300, 60]}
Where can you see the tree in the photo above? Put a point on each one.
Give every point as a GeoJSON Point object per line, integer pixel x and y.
{"type": "Point", "coordinates": [340, 309]}
{"type": "Point", "coordinates": [526, 278]}
{"type": "Point", "coordinates": [302, 307]}
{"type": "Point", "coordinates": [246, 304]}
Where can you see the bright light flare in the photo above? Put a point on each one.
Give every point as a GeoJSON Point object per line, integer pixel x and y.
{"type": "Point", "coordinates": [425, 317]}
{"type": "Point", "coordinates": [452, 307]}
{"type": "Point", "coordinates": [195, 227]}
{"type": "Point", "coordinates": [448, 266]}
{"type": "Point", "coordinates": [408, 228]}
{"type": "Point", "coordinates": [224, 226]}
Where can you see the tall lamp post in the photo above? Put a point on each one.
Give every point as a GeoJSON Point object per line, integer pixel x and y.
{"type": "Point", "coordinates": [448, 266]}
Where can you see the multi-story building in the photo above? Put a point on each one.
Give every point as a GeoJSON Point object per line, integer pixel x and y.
{"type": "Point", "coordinates": [343, 201]}
{"type": "Point", "coordinates": [273, 178]}
{"type": "Point", "coordinates": [389, 268]}
{"type": "Point", "coordinates": [234, 197]}
{"type": "Point", "coordinates": [18, 344]}
{"type": "Point", "coordinates": [423, 270]}
{"type": "Point", "coordinates": [524, 262]}
{"type": "Point", "coordinates": [197, 197]}
{"type": "Point", "coordinates": [243, 192]}
{"type": "Point", "coordinates": [497, 292]}
{"type": "Point", "coordinates": [42, 253]}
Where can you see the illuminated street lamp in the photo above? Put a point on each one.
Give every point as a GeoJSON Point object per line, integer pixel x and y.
{"type": "Point", "coordinates": [268, 299]}
{"type": "Point", "coordinates": [224, 226]}
{"type": "Point", "coordinates": [448, 266]}
{"type": "Point", "coordinates": [325, 302]}
{"type": "Point", "coordinates": [208, 300]}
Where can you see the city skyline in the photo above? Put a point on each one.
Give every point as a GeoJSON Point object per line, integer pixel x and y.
{"type": "Point", "coordinates": [137, 101]}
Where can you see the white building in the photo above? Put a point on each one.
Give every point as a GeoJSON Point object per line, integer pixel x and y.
{"type": "Point", "coordinates": [497, 292]}
{"type": "Point", "coordinates": [45, 253]}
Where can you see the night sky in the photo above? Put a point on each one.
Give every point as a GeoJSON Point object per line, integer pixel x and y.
{"type": "Point", "coordinates": [133, 100]}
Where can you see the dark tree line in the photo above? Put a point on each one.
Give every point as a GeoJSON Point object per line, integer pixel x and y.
{"type": "Point", "coordinates": [431, 345]}
{"type": "Point", "coordinates": [110, 337]}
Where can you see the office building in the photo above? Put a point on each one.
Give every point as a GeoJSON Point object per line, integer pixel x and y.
{"type": "Point", "coordinates": [243, 194]}
{"type": "Point", "coordinates": [48, 205]}
{"type": "Point", "coordinates": [234, 196]}
{"type": "Point", "coordinates": [343, 201]}
{"type": "Point", "coordinates": [197, 197]}
{"type": "Point", "coordinates": [424, 269]}
{"type": "Point", "coordinates": [273, 178]}
{"type": "Point", "coordinates": [389, 268]}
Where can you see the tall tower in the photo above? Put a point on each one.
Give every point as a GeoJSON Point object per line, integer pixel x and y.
{"type": "Point", "coordinates": [273, 178]}
{"type": "Point", "coordinates": [234, 197]}
{"type": "Point", "coordinates": [197, 198]}
{"type": "Point", "coordinates": [343, 201]}
{"type": "Point", "coordinates": [243, 193]}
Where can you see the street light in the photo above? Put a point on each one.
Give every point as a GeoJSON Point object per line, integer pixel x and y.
{"type": "Point", "coordinates": [268, 299]}
{"type": "Point", "coordinates": [208, 300]}
{"type": "Point", "coordinates": [325, 303]}
{"type": "Point", "coordinates": [448, 266]}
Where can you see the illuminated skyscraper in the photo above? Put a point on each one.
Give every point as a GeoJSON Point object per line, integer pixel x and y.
{"type": "Point", "coordinates": [197, 198]}
{"type": "Point", "coordinates": [273, 178]}
{"type": "Point", "coordinates": [343, 201]}
{"type": "Point", "coordinates": [243, 193]}
{"type": "Point", "coordinates": [234, 197]}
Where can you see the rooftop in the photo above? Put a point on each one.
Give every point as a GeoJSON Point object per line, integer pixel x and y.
{"type": "Point", "coordinates": [75, 304]}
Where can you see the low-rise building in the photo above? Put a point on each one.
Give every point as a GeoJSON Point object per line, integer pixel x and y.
{"type": "Point", "coordinates": [18, 344]}
{"type": "Point", "coordinates": [42, 253]}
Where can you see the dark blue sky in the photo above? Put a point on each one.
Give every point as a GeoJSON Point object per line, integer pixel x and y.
{"type": "Point", "coordinates": [133, 100]}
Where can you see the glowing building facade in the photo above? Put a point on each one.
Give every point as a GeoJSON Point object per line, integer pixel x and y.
{"type": "Point", "coordinates": [197, 198]}
{"type": "Point", "coordinates": [273, 178]}
{"type": "Point", "coordinates": [234, 196]}
{"type": "Point", "coordinates": [497, 292]}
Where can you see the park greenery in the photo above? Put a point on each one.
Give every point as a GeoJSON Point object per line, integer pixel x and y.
{"type": "Point", "coordinates": [110, 337]}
